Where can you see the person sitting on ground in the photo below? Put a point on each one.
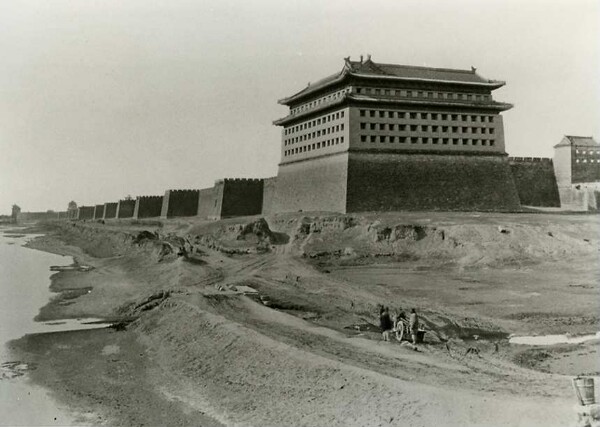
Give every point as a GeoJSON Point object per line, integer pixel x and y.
{"type": "Point", "coordinates": [385, 323]}
{"type": "Point", "coordinates": [414, 325]}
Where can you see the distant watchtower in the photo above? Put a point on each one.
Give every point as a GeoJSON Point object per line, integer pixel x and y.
{"type": "Point", "coordinates": [577, 170]}
{"type": "Point", "coordinates": [16, 210]}
{"type": "Point", "coordinates": [394, 137]}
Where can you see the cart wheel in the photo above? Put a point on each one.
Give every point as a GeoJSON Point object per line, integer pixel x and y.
{"type": "Point", "coordinates": [399, 332]}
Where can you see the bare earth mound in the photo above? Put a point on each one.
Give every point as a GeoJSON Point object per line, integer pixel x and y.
{"type": "Point", "coordinates": [273, 321]}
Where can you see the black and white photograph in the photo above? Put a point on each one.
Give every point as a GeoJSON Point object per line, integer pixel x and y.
{"type": "Point", "coordinates": [273, 213]}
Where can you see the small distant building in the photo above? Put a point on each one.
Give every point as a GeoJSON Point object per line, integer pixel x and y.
{"type": "Point", "coordinates": [72, 210]}
{"type": "Point", "coordinates": [577, 170]}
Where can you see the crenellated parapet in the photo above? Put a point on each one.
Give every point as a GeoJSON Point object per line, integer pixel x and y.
{"type": "Point", "coordinates": [547, 160]}
{"type": "Point", "coordinates": [243, 180]}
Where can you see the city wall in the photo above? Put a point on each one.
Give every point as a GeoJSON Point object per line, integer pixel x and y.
{"type": "Point", "coordinates": [316, 185]}
{"type": "Point", "coordinates": [147, 207]}
{"type": "Point", "coordinates": [269, 195]}
{"type": "Point", "coordinates": [209, 202]}
{"type": "Point", "coordinates": [535, 181]}
{"type": "Point", "coordinates": [99, 212]}
{"type": "Point", "coordinates": [580, 197]}
{"type": "Point", "coordinates": [125, 208]}
{"type": "Point", "coordinates": [86, 212]}
{"type": "Point", "coordinates": [178, 203]}
{"type": "Point", "coordinates": [40, 216]}
{"type": "Point", "coordinates": [241, 197]}
{"type": "Point", "coordinates": [389, 182]}
{"type": "Point", "coordinates": [110, 210]}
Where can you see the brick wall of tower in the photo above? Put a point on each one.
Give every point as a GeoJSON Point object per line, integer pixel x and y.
{"type": "Point", "coordinates": [315, 185]}
{"type": "Point", "coordinates": [425, 128]}
{"type": "Point", "coordinates": [535, 181]}
{"type": "Point", "coordinates": [315, 136]}
{"type": "Point", "coordinates": [147, 207]}
{"type": "Point", "coordinates": [585, 164]}
{"type": "Point", "coordinates": [392, 182]}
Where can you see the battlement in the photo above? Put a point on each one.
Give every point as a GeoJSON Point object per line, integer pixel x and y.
{"type": "Point", "coordinates": [243, 180]}
{"type": "Point", "coordinates": [144, 198]}
{"type": "Point", "coordinates": [530, 159]}
{"type": "Point", "coordinates": [186, 191]}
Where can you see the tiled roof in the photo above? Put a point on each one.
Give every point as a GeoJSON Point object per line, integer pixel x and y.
{"type": "Point", "coordinates": [412, 72]}
{"type": "Point", "coordinates": [370, 69]}
{"type": "Point", "coordinates": [579, 141]}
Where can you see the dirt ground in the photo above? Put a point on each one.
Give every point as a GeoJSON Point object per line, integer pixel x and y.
{"type": "Point", "coordinates": [274, 322]}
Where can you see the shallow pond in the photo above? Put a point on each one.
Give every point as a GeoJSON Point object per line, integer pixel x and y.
{"type": "Point", "coordinates": [24, 286]}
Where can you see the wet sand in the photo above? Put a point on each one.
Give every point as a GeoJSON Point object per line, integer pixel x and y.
{"type": "Point", "coordinates": [103, 376]}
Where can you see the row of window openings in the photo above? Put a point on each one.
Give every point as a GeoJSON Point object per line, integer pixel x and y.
{"type": "Point", "coordinates": [316, 122]}
{"type": "Point", "coordinates": [425, 116]}
{"type": "Point", "coordinates": [314, 146]}
{"type": "Point", "coordinates": [423, 94]}
{"type": "Point", "coordinates": [434, 141]}
{"type": "Point", "coordinates": [393, 92]}
{"type": "Point", "coordinates": [317, 102]}
{"type": "Point", "coordinates": [316, 134]}
{"type": "Point", "coordinates": [424, 128]}
{"type": "Point", "coordinates": [588, 152]}
{"type": "Point", "coordinates": [586, 160]}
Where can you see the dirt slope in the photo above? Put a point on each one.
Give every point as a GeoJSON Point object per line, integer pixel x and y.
{"type": "Point", "coordinates": [302, 349]}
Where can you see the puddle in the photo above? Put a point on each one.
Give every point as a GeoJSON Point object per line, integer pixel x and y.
{"type": "Point", "coordinates": [64, 325]}
{"type": "Point", "coordinates": [553, 339]}
{"type": "Point", "coordinates": [75, 267]}
{"type": "Point", "coordinates": [9, 370]}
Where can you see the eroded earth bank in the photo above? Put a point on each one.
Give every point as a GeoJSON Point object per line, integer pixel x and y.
{"type": "Point", "coordinates": [273, 321]}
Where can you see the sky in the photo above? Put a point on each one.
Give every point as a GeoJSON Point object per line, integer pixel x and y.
{"type": "Point", "coordinates": [100, 99]}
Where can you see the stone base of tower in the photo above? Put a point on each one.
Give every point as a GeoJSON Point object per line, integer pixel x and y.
{"type": "Point", "coordinates": [362, 181]}
{"type": "Point", "coordinates": [394, 182]}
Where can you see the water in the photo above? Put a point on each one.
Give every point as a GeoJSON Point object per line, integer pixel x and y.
{"type": "Point", "coordinates": [553, 339]}
{"type": "Point", "coordinates": [24, 282]}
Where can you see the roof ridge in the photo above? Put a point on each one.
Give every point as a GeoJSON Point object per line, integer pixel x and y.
{"type": "Point", "coordinates": [419, 67]}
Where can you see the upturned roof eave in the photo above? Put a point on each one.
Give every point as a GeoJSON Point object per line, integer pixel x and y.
{"type": "Point", "coordinates": [287, 118]}
{"type": "Point", "coordinates": [568, 142]}
{"type": "Point", "coordinates": [496, 106]}
{"type": "Point", "coordinates": [309, 90]}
